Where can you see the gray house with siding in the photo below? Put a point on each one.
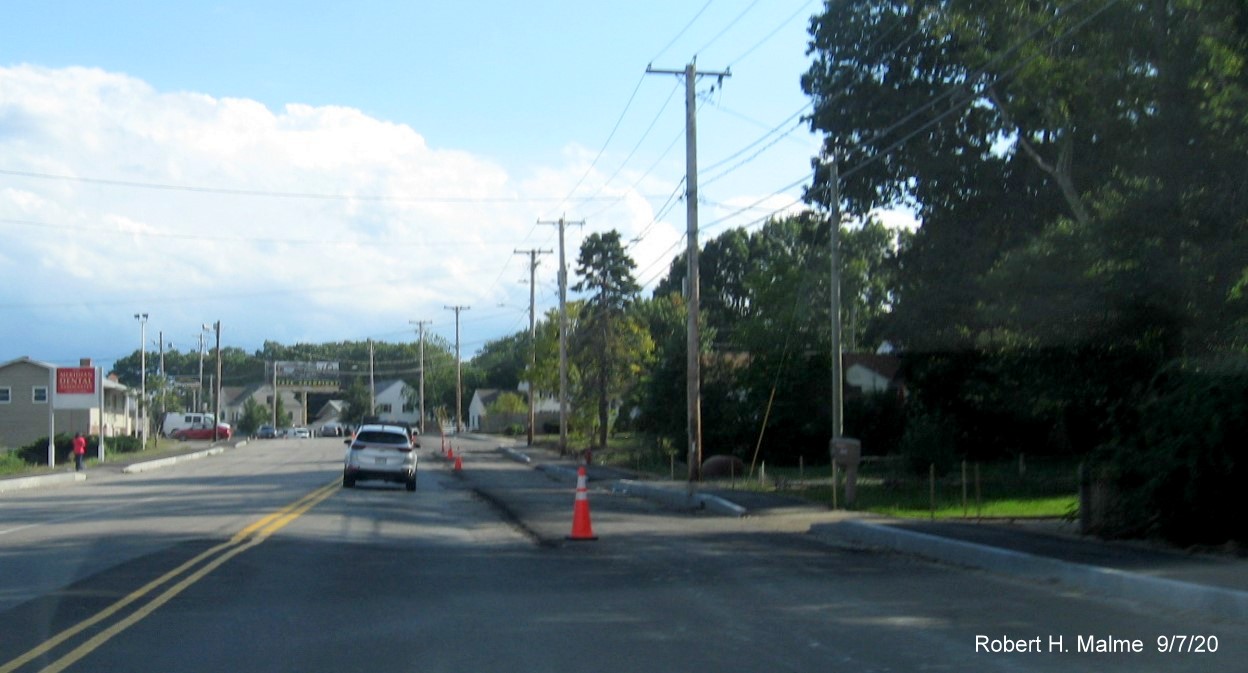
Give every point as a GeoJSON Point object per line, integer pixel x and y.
{"type": "Point", "coordinates": [26, 396]}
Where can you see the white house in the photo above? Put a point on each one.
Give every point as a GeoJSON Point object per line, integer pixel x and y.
{"type": "Point", "coordinates": [393, 401]}
{"type": "Point", "coordinates": [478, 408]}
{"type": "Point", "coordinates": [871, 373]}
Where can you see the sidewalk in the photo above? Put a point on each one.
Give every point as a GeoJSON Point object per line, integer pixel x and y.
{"type": "Point", "coordinates": [1215, 584]}
{"type": "Point", "coordinates": [126, 463]}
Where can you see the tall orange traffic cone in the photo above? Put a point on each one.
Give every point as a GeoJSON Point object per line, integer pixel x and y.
{"type": "Point", "coordinates": [459, 463]}
{"type": "Point", "coordinates": [581, 528]}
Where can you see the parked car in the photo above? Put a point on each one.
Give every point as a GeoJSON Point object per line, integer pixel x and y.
{"type": "Point", "coordinates": [299, 433]}
{"type": "Point", "coordinates": [333, 429]}
{"type": "Point", "coordinates": [181, 420]}
{"type": "Point", "coordinates": [202, 432]}
{"type": "Point", "coordinates": [383, 452]}
{"type": "Point", "coordinates": [266, 432]}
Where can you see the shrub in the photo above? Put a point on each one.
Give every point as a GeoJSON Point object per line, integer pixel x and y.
{"type": "Point", "coordinates": [929, 439]}
{"type": "Point", "coordinates": [1177, 463]}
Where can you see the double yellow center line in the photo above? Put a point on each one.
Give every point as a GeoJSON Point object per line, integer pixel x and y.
{"type": "Point", "coordinates": [206, 561]}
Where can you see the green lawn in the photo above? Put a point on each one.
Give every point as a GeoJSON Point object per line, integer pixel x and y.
{"type": "Point", "coordinates": [1044, 488]}
{"type": "Point", "coordinates": [12, 466]}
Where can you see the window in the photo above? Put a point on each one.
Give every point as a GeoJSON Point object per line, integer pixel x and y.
{"type": "Point", "coordinates": [39, 394]}
{"type": "Point", "coordinates": [409, 408]}
{"type": "Point", "coordinates": [6, 395]}
{"type": "Point", "coordinates": [385, 408]}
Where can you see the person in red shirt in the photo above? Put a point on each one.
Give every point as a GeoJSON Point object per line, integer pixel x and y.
{"type": "Point", "coordinates": [80, 451]}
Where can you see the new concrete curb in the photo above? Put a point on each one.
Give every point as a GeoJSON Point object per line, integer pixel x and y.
{"type": "Point", "coordinates": [515, 455]}
{"type": "Point", "coordinates": [1215, 601]}
{"type": "Point", "coordinates": [679, 497]}
{"type": "Point", "coordinates": [23, 483]}
{"type": "Point", "coordinates": [172, 460]}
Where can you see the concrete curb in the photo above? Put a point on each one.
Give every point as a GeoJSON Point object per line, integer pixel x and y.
{"type": "Point", "coordinates": [172, 460]}
{"type": "Point", "coordinates": [515, 455]}
{"type": "Point", "coordinates": [1215, 601]}
{"type": "Point", "coordinates": [672, 497]}
{"type": "Point", "coordinates": [682, 498]}
{"type": "Point", "coordinates": [23, 483]}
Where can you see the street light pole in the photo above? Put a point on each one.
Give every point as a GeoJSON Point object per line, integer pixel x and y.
{"type": "Point", "coordinates": [142, 318]}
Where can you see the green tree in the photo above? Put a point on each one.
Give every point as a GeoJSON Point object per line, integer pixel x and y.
{"type": "Point", "coordinates": [357, 400]}
{"type": "Point", "coordinates": [254, 415]}
{"type": "Point", "coordinates": [508, 403]}
{"type": "Point", "coordinates": [502, 361]}
{"type": "Point", "coordinates": [610, 343]}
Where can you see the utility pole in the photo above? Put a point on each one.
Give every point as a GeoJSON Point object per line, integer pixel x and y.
{"type": "Point", "coordinates": [276, 396]}
{"type": "Point", "coordinates": [532, 330]}
{"type": "Point", "coordinates": [563, 334]}
{"type": "Point", "coordinates": [142, 318]}
{"type": "Point", "coordinates": [459, 381]}
{"type": "Point", "coordinates": [199, 393]}
{"type": "Point", "coordinates": [693, 341]}
{"type": "Point", "coordinates": [160, 348]}
{"type": "Point", "coordinates": [216, 397]}
{"type": "Point", "coordinates": [420, 329]}
{"type": "Point", "coordinates": [834, 214]}
{"type": "Point", "coordinates": [372, 382]}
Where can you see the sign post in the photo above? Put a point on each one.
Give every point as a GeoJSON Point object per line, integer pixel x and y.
{"type": "Point", "coordinates": [79, 388]}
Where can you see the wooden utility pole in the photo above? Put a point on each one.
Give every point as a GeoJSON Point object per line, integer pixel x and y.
{"type": "Point", "coordinates": [532, 331]}
{"type": "Point", "coordinates": [693, 341]}
{"type": "Point", "coordinates": [563, 334]}
{"type": "Point", "coordinates": [420, 329]}
{"type": "Point", "coordinates": [459, 381]}
{"type": "Point", "coordinates": [834, 214]}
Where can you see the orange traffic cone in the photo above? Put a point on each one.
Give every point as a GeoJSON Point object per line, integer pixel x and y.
{"type": "Point", "coordinates": [581, 528]}
{"type": "Point", "coordinates": [459, 463]}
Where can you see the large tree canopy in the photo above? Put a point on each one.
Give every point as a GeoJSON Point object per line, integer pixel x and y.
{"type": "Point", "coordinates": [1078, 166]}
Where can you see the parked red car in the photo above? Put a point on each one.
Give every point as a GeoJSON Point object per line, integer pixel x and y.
{"type": "Point", "coordinates": [200, 432]}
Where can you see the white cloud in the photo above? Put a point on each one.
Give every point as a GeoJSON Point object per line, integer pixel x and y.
{"type": "Point", "coordinates": [316, 223]}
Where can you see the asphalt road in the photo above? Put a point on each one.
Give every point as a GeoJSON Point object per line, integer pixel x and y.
{"type": "Point", "coordinates": [256, 560]}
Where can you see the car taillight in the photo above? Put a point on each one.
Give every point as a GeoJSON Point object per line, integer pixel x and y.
{"type": "Point", "coordinates": [405, 449]}
{"type": "Point", "coordinates": [357, 447]}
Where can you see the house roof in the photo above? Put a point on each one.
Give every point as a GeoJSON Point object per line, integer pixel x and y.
{"type": "Point", "coordinates": [487, 395]}
{"type": "Point", "coordinates": [886, 366]}
{"type": "Point", "coordinates": [382, 387]}
{"type": "Point", "coordinates": [27, 360]}
{"type": "Point", "coordinates": [332, 408]}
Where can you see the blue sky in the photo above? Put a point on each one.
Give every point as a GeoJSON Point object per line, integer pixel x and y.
{"type": "Point", "coordinates": [325, 171]}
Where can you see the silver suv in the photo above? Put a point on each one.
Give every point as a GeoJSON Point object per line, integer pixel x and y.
{"type": "Point", "coordinates": [384, 452]}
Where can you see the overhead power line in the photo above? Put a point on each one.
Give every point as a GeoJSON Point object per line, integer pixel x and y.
{"type": "Point", "coordinates": [287, 195]}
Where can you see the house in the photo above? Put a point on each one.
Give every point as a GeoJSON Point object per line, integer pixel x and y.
{"type": "Point", "coordinates": [478, 408]}
{"type": "Point", "coordinates": [235, 400]}
{"type": "Point", "coordinates": [393, 401]}
{"type": "Point", "coordinates": [546, 411]}
{"type": "Point", "coordinates": [28, 405]}
{"type": "Point", "coordinates": [870, 372]}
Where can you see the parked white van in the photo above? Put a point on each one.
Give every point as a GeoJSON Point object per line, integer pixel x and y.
{"type": "Point", "coordinates": [179, 420]}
